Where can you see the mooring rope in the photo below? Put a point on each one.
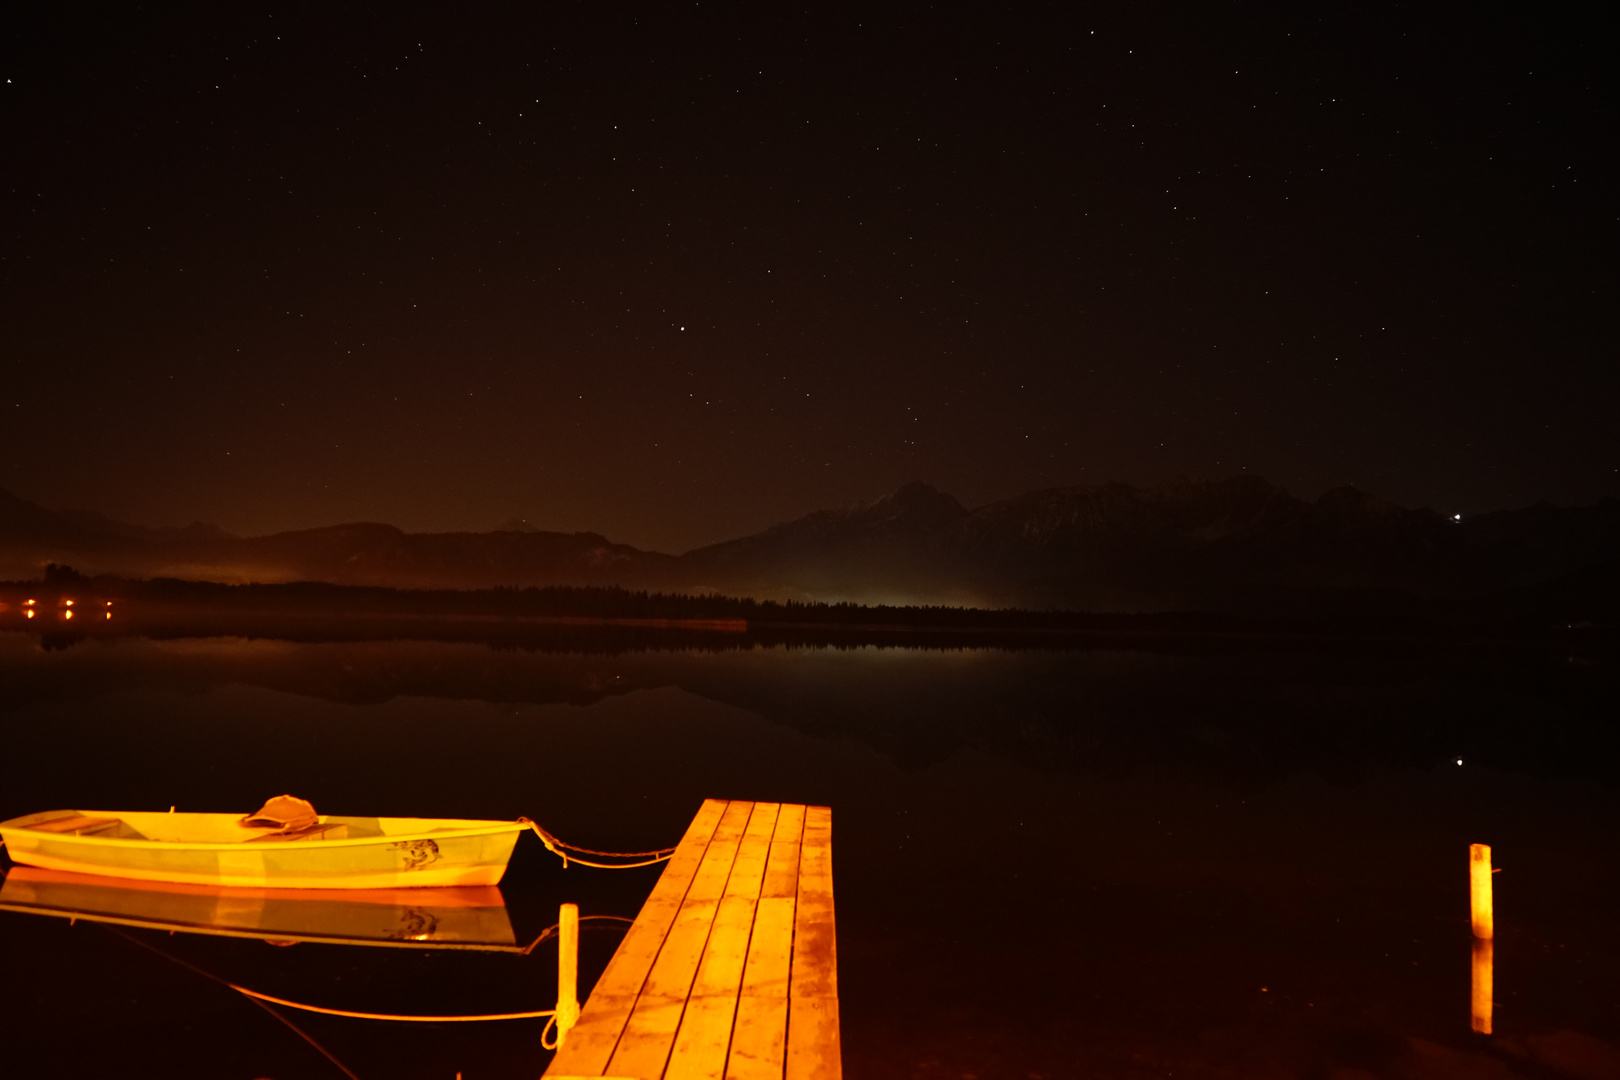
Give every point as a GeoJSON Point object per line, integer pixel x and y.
{"type": "Point", "coordinates": [553, 928]}
{"type": "Point", "coordinates": [409, 1017]}
{"type": "Point", "coordinates": [302, 1034]}
{"type": "Point", "coordinates": [561, 849]}
{"type": "Point", "coordinates": [254, 995]}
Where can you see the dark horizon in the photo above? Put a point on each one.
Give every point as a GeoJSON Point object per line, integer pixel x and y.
{"type": "Point", "coordinates": [673, 275]}
{"type": "Point", "coordinates": [89, 515]}
{"type": "Point", "coordinates": [1240, 546]}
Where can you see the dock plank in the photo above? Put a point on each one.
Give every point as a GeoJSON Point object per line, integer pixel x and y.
{"type": "Point", "coordinates": [813, 1050]}
{"type": "Point", "coordinates": [759, 1039]}
{"type": "Point", "coordinates": [782, 873]}
{"type": "Point", "coordinates": [759, 1036]}
{"type": "Point", "coordinates": [815, 944]}
{"type": "Point", "coordinates": [705, 1031]}
{"type": "Point", "coordinates": [730, 970]}
{"type": "Point", "coordinates": [748, 872]}
{"type": "Point", "coordinates": [649, 1034]}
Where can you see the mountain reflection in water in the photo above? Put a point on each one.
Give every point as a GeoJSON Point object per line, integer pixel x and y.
{"type": "Point", "coordinates": [1214, 861]}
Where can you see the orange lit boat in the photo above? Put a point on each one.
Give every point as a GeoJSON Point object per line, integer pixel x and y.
{"type": "Point", "coordinates": [326, 852]}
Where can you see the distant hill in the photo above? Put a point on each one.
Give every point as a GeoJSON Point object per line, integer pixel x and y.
{"type": "Point", "coordinates": [353, 554]}
{"type": "Point", "coordinates": [1239, 545]}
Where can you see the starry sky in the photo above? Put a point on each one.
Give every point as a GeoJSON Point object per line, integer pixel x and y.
{"type": "Point", "coordinates": [674, 272]}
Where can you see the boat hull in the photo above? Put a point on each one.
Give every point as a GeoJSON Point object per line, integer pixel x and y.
{"type": "Point", "coordinates": [403, 853]}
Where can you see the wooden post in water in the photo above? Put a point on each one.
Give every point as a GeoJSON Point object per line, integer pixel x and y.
{"type": "Point", "coordinates": [1479, 885]}
{"type": "Point", "coordinates": [1484, 919]}
{"type": "Point", "coordinates": [567, 970]}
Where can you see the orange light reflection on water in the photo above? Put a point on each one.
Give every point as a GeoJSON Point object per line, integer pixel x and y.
{"type": "Point", "coordinates": [1484, 985]}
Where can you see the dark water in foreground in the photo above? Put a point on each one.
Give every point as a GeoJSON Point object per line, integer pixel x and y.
{"type": "Point", "coordinates": [1199, 862]}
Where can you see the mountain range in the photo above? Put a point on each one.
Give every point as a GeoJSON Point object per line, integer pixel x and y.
{"type": "Point", "coordinates": [1233, 545]}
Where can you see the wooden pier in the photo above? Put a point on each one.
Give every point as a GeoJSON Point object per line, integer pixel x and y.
{"type": "Point", "coordinates": [730, 971]}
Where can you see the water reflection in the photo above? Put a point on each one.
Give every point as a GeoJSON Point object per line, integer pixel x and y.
{"type": "Point", "coordinates": [1166, 832]}
{"type": "Point", "coordinates": [1255, 714]}
{"type": "Point", "coordinates": [455, 918]}
{"type": "Point", "coordinates": [1483, 996]}
{"type": "Point", "coordinates": [425, 921]}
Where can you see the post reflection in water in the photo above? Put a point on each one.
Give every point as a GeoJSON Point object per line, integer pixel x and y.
{"type": "Point", "coordinates": [1484, 984]}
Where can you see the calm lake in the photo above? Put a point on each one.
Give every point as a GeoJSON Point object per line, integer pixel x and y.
{"type": "Point", "coordinates": [1192, 859]}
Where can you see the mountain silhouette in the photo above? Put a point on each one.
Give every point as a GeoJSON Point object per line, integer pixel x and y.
{"type": "Point", "coordinates": [1240, 544]}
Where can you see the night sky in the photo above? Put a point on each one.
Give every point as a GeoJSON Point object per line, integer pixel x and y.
{"type": "Point", "coordinates": [676, 272]}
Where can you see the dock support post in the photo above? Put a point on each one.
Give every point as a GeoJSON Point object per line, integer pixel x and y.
{"type": "Point", "coordinates": [567, 970]}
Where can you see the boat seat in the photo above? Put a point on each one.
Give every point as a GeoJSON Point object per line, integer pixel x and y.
{"type": "Point", "coordinates": [332, 831]}
{"type": "Point", "coordinates": [78, 825]}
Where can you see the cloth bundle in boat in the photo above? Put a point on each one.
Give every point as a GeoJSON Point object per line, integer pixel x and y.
{"type": "Point", "coordinates": [288, 813]}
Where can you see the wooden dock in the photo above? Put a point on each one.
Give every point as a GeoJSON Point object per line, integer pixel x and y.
{"type": "Point", "coordinates": [731, 969]}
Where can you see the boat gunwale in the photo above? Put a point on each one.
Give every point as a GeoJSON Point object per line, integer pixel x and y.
{"type": "Point", "coordinates": [485, 828]}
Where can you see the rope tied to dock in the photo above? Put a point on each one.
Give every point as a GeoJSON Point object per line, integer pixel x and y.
{"type": "Point", "coordinates": [561, 849]}
{"type": "Point", "coordinates": [408, 1017]}
{"type": "Point", "coordinates": [551, 931]}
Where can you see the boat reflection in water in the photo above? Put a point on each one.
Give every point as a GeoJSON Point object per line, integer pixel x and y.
{"type": "Point", "coordinates": [468, 918]}
{"type": "Point", "coordinates": [444, 918]}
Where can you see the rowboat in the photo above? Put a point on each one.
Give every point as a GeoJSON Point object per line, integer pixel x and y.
{"type": "Point", "coordinates": [472, 918]}
{"type": "Point", "coordinates": [311, 852]}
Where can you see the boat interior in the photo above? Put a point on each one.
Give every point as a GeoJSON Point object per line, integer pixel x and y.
{"type": "Point", "coordinates": [226, 828]}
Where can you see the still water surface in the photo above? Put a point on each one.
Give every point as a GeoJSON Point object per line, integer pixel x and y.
{"type": "Point", "coordinates": [1193, 862]}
